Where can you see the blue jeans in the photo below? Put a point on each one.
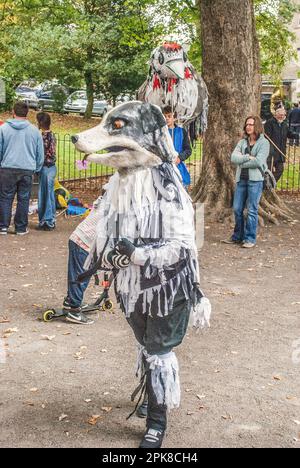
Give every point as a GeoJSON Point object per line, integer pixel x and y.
{"type": "Point", "coordinates": [12, 182]}
{"type": "Point", "coordinates": [47, 206]}
{"type": "Point", "coordinates": [247, 193]}
{"type": "Point", "coordinates": [77, 257]}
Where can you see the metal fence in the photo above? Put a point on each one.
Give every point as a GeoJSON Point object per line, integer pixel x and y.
{"type": "Point", "coordinates": [95, 176]}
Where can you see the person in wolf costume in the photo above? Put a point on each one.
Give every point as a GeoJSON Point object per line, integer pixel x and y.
{"type": "Point", "coordinates": [146, 236]}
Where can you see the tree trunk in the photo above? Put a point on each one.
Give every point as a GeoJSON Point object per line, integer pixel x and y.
{"type": "Point", "coordinates": [231, 70]}
{"type": "Point", "coordinates": [90, 94]}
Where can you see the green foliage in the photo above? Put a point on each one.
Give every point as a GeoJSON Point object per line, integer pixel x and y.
{"type": "Point", "coordinates": [107, 43]}
{"type": "Point", "coordinates": [273, 18]}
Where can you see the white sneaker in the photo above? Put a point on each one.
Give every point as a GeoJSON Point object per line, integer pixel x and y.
{"type": "Point", "coordinates": [22, 233]}
{"type": "Point", "coordinates": [248, 245]}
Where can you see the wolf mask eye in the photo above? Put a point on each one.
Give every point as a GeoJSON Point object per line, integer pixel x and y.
{"type": "Point", "coordinates": [118, 124]}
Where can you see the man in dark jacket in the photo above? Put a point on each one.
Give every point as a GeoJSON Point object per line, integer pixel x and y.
{"type": "Point", "coordinates": [278, 131]}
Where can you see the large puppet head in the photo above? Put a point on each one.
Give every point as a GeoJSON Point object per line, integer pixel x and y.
{"type": "Point", "coordinates": [169, 61]}
{"type": "Point", "coordinates": [173, 81]}
{"type": "Point", "coordinates": [134, 134]}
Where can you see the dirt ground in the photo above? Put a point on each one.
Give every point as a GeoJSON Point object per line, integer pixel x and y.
{"type": "Point", "coordinates": [66, 385]}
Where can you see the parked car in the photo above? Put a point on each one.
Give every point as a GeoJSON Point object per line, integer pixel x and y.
{"type": "Point", "coordinates": [77, 103]}
{"type": "Point", "coordinates": [52, 97]}
{"type": "Point", "coordinates": [26, 91]}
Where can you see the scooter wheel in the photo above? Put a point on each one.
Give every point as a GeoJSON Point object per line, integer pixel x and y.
{"type": "Point", "coordinates": [108, 305]}
{"type": "Point", "coordinates": [48, 315]}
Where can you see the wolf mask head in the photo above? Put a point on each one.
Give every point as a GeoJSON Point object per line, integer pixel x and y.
{"type": "Point", "coordinates": [135, 135]}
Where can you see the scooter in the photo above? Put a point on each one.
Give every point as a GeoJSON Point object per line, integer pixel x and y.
{"type": "Point", "coordinates": [102, 303]}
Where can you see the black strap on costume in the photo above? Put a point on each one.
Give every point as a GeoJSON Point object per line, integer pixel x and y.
{"type": "Point", "coordinates": [96, 267]}
{"type": "Point", "coordinates": [140, 388]}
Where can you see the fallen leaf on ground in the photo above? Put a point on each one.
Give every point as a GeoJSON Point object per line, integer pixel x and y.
{"type": "Point", "coordinates": [27, 285]}
{"type": "Point", "coordinates": [47, 337]}
{"type": "Point", "coordinates": [189, 413]}
{"type": "Point", "coordinates": [62, 417]}
{"type": "Point", "coordinates": [106, 409]}
{"type": "Point", "coordinates": [94, 419]}
{"type": "Point", "coordinates": [4, 320]}
{"type": "Point", "coordinates": [33, 390]}
{"type": "Point", "coordinates": [88, 400]}
{"type": "Point", "coordinates": [103, 350]}
{"type": "Point", "coordinates": [295, 303]}
{"type": "Point", "coordinates": [67, 333]}
{"type": "Point", "coordinates": [296, 422]}
{"type": "Point", "coordinates": [78, 356]}
{"type": "Point", "coordinates": [11, 330]}
{"type": "Point", "coordinates": [201, 397]}
{"type": "Point", "coordinates": [277, 377]}
{"type": "Point", "coordinates": [226, 416]}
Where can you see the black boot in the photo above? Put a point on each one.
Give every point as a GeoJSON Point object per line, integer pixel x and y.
{"type": "Point", "coordinates": [152, 439]}
{"type": "Point", "coordinates": [156, 419]}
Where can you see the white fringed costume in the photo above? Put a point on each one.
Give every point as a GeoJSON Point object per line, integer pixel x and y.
{"type": "Point", "coordinates": [158, 289]}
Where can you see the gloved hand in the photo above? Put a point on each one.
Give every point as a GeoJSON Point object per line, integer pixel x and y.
{"type": "Point", "coordinates": [116, 259]}
{"type": "Point", "coordinates": [125, 247]}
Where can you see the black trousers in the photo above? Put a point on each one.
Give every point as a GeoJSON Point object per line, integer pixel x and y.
{"type": "Point", "coordinates": [12, 182]}
{"type": "Point", "coordinates": [159, 335]}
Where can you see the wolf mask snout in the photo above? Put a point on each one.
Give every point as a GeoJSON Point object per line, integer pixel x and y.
{"type": "Point", "coordinates": [134, 133]}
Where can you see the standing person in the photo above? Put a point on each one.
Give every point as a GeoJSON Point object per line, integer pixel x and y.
{"type": "Point", "coordinates": [277, 130]}
{"type": "Point", "coordinates": [46, 197]}
{"type": "Point", "coordinates": [181, 144]}
{"type": "Point", "coordinates": [21, 155]}
{"type": "Point", "coordinates": [250, 157]}
{"type": "Point", "coordinates": [80, 244]}
{"type": "Point", "coordinates": [294, 123]}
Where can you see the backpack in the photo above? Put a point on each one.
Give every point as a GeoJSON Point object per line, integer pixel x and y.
{"type": "Point", "coordinates": [269, 179]}
{"type": "Point", "coordinates": [62, 196]}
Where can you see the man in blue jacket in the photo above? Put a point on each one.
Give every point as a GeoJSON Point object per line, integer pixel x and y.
{"type": "Point", "coordinates": [21, 155]}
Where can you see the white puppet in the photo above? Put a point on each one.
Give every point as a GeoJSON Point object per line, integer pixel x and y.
{"type": "Point", "coordinates": [173, 81]}
{"type": "Point", "coordinates": [146, 235]}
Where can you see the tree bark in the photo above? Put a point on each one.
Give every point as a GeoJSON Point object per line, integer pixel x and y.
{"type": "Point", "coordinates": [231, 71]}
{"type": "Point", "coordinates": [89, 93]}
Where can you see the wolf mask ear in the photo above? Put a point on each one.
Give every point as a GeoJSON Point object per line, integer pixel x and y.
{"type": "Point", "coordinates": [151, 118]}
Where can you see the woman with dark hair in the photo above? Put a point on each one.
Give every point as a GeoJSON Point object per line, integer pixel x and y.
{"type": "Point", "coordinates": [250, 157]}
{"type": "Point", "coordinates": [46, 203]}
